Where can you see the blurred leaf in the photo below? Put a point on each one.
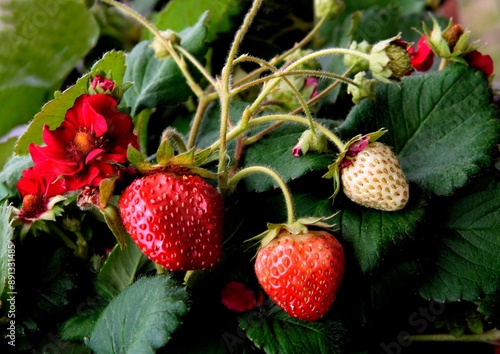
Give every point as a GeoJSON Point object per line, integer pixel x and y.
{"type": "Point", "coordinates": [142, 318]}
{"type": "Point", "coordinates": [53, 112]}
{"type": "Point", "coordinates": [40, 43]}
{"type": "Point", "coordinates": [120, 269]}
{"type": "Point", "coordinates": [6, 150]}
{"type": "Point", "coordinates": [277, 332]}
{"type": "Point", "coordinates": [441, 125]}
{"type": "Point", "coordinates": [11, 173]}
{"type": "Point", "coordinates": [7, 249]}
{"type": "Point", "coordinates": [159, 81]}
{"type": "Point", "coordinates": [468, 235]}
{"type": "Point", "coordinates": [179, 14]}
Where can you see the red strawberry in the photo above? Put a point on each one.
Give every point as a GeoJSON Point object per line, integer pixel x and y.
{"type": "Point", "coordinates": [176, 220]}
{"type": "Point", "coordinates": [301, 273]}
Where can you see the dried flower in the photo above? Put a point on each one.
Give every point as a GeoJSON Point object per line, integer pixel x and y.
{"type": "Point", "coordinates": [390, 60]}
{"type": "Point", "coordinates": [39, 194]}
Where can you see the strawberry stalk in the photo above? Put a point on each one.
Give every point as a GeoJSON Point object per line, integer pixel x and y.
{"type": "Point", "coordinates": [290, 209]}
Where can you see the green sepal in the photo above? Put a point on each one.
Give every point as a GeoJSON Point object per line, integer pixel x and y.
{"type": "Point", "coordinates": [165, 152]}
{"type": "Point", "coordinates": [299, 227]}
{"type": "Point", "coordinates": [115, 223]}
{"type": "Point", "coordinates": [334, 170]}
{"type": "Point", "coordinates": [106, 188]}
{"type": "Point", "coordinates": [138, 160]}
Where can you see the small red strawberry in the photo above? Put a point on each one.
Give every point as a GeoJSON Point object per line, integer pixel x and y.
{"type": "Point", "coordinates": [301, 273]}
{"type": "Point", "coordinates": [176, 220]}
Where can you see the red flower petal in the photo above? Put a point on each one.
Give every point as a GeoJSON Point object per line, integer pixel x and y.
{"type": "Point", "coordinates": [480, 62]}
{"type": "Point", "coordinates": [237, 297]}
{"type": "Point", "coordinates": [422, 58]}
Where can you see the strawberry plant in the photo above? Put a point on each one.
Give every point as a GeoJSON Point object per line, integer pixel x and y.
{"type": "Point", "coordinates": [232, 176]}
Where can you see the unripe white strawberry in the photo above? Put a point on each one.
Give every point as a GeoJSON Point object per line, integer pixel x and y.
{"type": "Point", "coordinates": [374, 179]}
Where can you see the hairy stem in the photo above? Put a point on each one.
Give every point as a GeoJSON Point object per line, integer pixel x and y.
{"type": "Point", "coordinates": [290, 209]}
{"type": "Point", "coordinates": [492, 335]}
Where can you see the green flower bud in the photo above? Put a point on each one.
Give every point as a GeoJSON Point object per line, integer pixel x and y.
{"type": "Point", "coordinates": [365, 88]}
{"type": "Point", "coordinates": [329, 8]}
{"type": "Point", "coordinates": [358, 64]}
{"type": "Point", "coordinates": [310, 142]}
{"type": "Point", "coordinates": [158, 44]}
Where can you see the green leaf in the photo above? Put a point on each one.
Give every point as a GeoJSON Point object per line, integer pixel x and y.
{"type": "Point", "coordinates": [142, 318]}
{"type": "Point", "coordinates": [373, 233]}
{"type": "Point", "coordinates": [40, 43]}
{"type": "Point", "coordinates": [467, 263]}
{"type": "Point", "coordinates": [120, 269]}
{"type": "Point", "coordinates": [441, 125]}
{"type": "Point", "coordinates": [179, 14]}
{"type": "Point", "coordinates": [279, 333]}
{"type": "Point", "coordinates": [160, 81]}
{"type": "Point", "coordinates": [53, 112]}
{"type": "Point", "coordinates": [80, 325]}
{"type": "Point", "coordinates": [7, 248]}
{"type": "Point", "coordinates": [275, 151]}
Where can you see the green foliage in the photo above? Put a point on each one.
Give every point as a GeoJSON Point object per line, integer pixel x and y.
{"type": "Point", "coordinates": [41, 44]}
{"type": "Point", "coordinates": [180, 14]}
{"type": "Point", "coordinates": [276, 332]}
{"type": "Point", "coordinates": [141, 318]}
{"type": "Point", "coordinates": [468, 233]}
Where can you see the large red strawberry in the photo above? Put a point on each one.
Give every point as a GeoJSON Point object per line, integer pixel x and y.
{"type": "Point", "coordinates": [301, 273]}
{"type": "Point", "coordinates": [176, 220]}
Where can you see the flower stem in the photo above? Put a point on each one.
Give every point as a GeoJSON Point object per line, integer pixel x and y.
{"type": "Point", "coordinates": [276, 177]}
{"type": "Point", "coordinates": [67, 241]}
{"type": "Point", "coordinates": [275, 118]}
{"type": "Point", "coordinates": [224, 92]}
{"type": "Point", "coordinates": [492, 335]}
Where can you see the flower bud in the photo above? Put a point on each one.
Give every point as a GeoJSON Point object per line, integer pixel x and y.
{"type": "Point", "coordinates": [365, 89]}
{"type": "Point", "coordinates": [159, 45]}
{"type": "Point", "coordinates": [355, 62]}
{"type": "Point", "coordinates": [310, 141]}
{"type": "Point", "coordinates": [390, 60]}
{"type": "Point", "coordinates": [329, 8]}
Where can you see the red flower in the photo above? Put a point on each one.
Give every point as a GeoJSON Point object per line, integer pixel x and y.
{"type": "Point", "coordinates": [88, 146]}
{"type": "Point", "coordinates": [237, 297]}
{"type": "Point", "coordinates": [37, 192]}
{"type": "Point", "coordinates": [480, 62]}
{"type": "Point", "coordinates": [422, 58]}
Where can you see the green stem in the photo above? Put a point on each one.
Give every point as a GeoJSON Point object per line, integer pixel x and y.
{"type": "Point", "coordinates": [195, 126]}
{"type": "Point", "coordinates": [290, 209]}
{"type": "Point", "coordinates": [224, 92]}
{"type": "Point", "coordinates": [280, 117]}
{"type": "Point", "coordinates": [197, 64]}
{"type": "Point", "coordinates": [171, 133]}
{"type": "Point", "coordinates": [329, 51]}
{"type": "Point", "coordinates": [82, 245]}
{"type": "Point", "coordinates": [54, 228]}
{"type": "Point", "coordinates": [493, 335]}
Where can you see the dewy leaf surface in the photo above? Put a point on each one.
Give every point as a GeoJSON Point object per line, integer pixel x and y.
{"type": "Point", "coordinates": [40, 43]}
{"type": "Point", "coordinates": [142, 318]}
{"type": "Point", "coordinates": [468, 262]}
{"type": "Point", "coordinates": [442, 126]}
{"type": "Point", "coordinates": [160, 81]}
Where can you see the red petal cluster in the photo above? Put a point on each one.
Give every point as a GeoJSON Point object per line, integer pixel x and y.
{"type": "Point", "coordinates": [480, 62]}
{"type": "Point", "coordinates": [102, 82]}
{"type": "Point", "coordinates": [88, 146]}
{"type": "Point", "coordinates": [237, 297]}
{"type": "Point", "coordinates": [422, 56]}
{"type": "Point", "coordinates": [36, 191]}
